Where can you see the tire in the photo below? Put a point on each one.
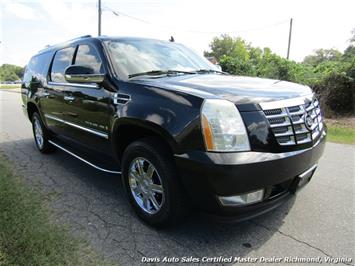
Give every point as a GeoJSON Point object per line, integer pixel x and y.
{"type": "Point", "coordinates": [164, 186]}
{"type": "Point", "coordinates": [41, 135]}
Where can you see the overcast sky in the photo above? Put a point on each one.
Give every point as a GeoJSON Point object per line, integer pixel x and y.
{"type": "Point", "coordinates": [28, 26]}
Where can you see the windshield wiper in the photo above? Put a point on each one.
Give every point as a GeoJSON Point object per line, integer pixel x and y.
{"type": "Point", "coordinates": [202, 71]}
{"type": "Point", "coordinates": [160, 72]}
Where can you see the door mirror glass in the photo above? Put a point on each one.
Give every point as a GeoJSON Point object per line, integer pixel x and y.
{"type": "Point", "coordinates": [82, 74]}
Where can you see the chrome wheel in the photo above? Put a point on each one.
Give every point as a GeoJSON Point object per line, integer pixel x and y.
{"type": "Point", "coordinates": [38, 133]}
{"type": "Point", "coordinates": [146, 185]}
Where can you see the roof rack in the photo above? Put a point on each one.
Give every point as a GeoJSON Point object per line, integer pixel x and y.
{"type": "Point", "coordinates": [77, 38]}
{"type": "Point", "coordinates": [81, 37]}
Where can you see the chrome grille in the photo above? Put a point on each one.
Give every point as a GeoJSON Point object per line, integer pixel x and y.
{"type": "Point", "coordinates": [288, 123]}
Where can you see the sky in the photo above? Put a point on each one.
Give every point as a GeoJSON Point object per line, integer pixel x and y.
{"type": "Point", "coordinates": [28, 26]}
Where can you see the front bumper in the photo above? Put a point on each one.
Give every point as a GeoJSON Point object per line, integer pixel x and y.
{"type": "Point", "coordinates": [207, 175]}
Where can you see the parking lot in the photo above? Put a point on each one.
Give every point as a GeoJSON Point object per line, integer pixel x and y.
{"type": "Point", "coordinates": [318, 222]}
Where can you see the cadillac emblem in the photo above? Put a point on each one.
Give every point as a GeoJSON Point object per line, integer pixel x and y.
{"type": "Point", "coordinates": [308, 121]}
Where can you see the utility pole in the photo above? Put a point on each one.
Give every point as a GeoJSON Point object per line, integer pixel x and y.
{"type": "Point", "coordinates": [289, 39]}
{"type": "Point", "coordinates": [99, 18]}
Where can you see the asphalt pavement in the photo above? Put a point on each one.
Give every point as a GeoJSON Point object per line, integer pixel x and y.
{"type": "Point", "coordinates": [317, 223]}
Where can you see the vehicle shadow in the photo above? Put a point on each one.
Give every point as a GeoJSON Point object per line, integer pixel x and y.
{"type": "Point", "coordinates": [94, 206]}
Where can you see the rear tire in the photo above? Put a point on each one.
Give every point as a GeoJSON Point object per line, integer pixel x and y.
{"type": "Point", "coordinates": [41, 135]}
{"type": "Point", "coordinates": [151, 183]}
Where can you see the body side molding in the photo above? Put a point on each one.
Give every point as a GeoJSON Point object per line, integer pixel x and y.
{"type": "Point", "coordinates": [98, 133]}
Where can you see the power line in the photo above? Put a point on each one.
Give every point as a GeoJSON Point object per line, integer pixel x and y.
{"type": "Point", "coordinates": [119, 13]}
{"type": "Point", "coordinates": [242, 30]}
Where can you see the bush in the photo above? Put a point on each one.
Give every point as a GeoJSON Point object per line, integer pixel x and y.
{"type": "Point", "coordinates": [336, 94]}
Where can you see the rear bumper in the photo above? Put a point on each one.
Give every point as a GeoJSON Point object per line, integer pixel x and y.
{"type": "Point", "coordinates": [207, 175]}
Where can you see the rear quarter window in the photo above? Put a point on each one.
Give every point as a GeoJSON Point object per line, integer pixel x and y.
{"type": "Point", "coordinates": [62, 59]}
{"type": "Point", "coordinates": [37, 68]}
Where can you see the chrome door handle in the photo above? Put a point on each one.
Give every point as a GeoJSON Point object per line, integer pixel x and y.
{"type": "Point", "coordinates": [69, 98]}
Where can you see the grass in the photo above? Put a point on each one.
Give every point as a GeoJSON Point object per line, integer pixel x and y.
{"type": "Point", "coordinates": [10, 86]}
{"type": "Point", "coordinates": [341, 134]}
{"type": "Point", "coordinates": [27, 236]}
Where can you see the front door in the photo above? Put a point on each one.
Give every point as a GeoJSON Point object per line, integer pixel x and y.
{"type": "Point", "coordinates": [88, 106]}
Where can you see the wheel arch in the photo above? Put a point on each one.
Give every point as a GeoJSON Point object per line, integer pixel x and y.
{"type": "Point", "coordinates": [126, 131]}
{"type": "Point", "coordinates": [31, 109]}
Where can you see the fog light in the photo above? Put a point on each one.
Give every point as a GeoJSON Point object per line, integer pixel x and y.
{"type": "Point", "coordinates": [243, 199]}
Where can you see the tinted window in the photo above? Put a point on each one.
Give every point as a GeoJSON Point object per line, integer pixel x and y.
{"type": "Point", "coordinates": [87, 56]}
{"type": "Point", "coordinates": [63, 59]}
{"type": "Point", "coordinates": [37, 68]}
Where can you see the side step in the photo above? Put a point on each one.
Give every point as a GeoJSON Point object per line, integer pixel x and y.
{"type": "Point", "coordinates": [107, 166]}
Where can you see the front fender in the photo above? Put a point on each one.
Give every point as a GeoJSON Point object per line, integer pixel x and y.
{"type": "Point", "coordinates": [172, 115]}
{"type": "Point", "coordinates": [143, 125]}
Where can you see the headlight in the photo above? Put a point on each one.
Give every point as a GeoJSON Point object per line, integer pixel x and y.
{"type": "Point", "coordinates": [222, 126]}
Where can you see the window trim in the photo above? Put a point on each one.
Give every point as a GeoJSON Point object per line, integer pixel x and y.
{"type": "Point", "coordinates": [78, 85]}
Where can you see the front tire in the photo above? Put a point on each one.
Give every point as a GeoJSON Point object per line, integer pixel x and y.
{"type": "Point", "coordinates": [41, 135]}
{"type": "Point", "coordinates": [151, 183]}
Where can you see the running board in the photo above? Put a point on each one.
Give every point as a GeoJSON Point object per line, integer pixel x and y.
{"type": "Point", "coordinates": [82, 159]}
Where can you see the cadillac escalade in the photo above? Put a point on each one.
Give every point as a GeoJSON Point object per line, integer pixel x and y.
{"type": "Point", "coordinates": [182, 134]}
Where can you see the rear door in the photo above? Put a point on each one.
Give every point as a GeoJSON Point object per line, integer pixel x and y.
{"type": "Point", "coordinates": [53, 104]}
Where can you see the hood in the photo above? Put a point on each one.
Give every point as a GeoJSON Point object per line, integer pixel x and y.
{"type": "Point", "coordinates": [238, 89]}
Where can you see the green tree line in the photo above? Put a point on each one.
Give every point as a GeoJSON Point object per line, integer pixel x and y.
{"type": "Point", "coordinates": [10, 72]}
{"type": "Point", "coordinates": [329, 72]}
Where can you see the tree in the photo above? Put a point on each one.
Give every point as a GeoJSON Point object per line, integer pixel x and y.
{"type": "Point", "coordinates": [322, 55]}
{"type": "Point", "coordinates": [222, 46]}
{"type": "Point", "coordinates": [228, 46]}
{"type": "Point", "coordinates": [352, 39]}
{"type": "Point", "coordinates": [10, 72]}
{"type": "Point", "coordinates": [328, 71]}
{"type": "Point", "coordinates": [349, 53]}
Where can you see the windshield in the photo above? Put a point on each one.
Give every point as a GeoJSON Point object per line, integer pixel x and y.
{"type": "Point", "coordinates": [139, 56]}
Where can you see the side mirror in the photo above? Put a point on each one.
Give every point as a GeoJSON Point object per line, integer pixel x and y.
{"type": "Point", "coordinates": [82, 74]}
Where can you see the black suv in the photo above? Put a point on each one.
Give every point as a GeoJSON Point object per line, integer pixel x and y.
{"type": "Point", "coordinates": [180, 132]}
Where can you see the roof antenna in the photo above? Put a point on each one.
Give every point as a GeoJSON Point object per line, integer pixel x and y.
{"type": "Point", "coordinates": [171, 39]}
